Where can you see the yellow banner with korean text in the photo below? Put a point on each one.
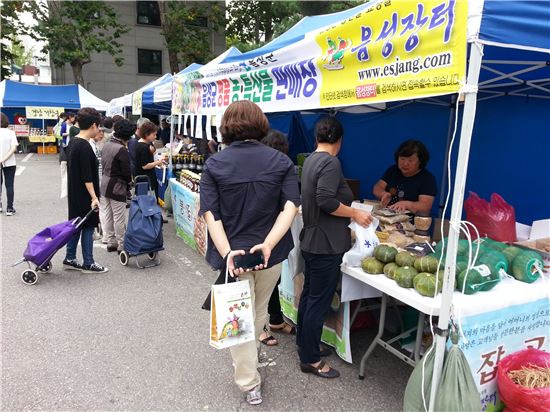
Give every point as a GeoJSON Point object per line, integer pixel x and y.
{"type": "Point", "coordinates": [394, 50]}
{"type": "Point", "coordinates": [34, 112]}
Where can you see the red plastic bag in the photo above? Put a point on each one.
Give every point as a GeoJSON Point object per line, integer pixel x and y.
{"type": "Point", "coordinates": [495, 219]}
{"type": "Point", "coordinates": [516, 397]}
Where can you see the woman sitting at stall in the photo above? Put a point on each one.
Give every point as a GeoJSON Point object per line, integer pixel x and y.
{"type": "Point", "coordinates": [408, 185]}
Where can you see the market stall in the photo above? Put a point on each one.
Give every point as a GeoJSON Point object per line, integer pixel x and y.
{"type": "Point", "coordinates": [387, 51]}
{"type": "Point", "coordinates": [39, 107]}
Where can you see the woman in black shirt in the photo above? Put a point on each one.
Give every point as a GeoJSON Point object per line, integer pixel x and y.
{"type": "Point", "coordinates": [408, 185]}
{"type": "Point", "coordinates": [145, 160]}
{"type": "Point", "coordinates": [326, 200]}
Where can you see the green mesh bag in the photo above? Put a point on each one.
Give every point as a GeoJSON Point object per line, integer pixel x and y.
{"type": "Point", "coordinates": [457, 390]}
{"type": "Point", "coordinates": [413, 401]}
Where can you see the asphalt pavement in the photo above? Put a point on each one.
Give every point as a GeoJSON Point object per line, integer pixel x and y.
{"type": "Point", "coordinates": [136, 339]}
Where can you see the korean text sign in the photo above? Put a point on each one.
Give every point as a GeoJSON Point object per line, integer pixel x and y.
{"type": "Point", "coordinates": [34, 112]}
{"type": "Point", "coordinates": [389, 50]}
{"type": "Point", "coordinates": [493, 335]}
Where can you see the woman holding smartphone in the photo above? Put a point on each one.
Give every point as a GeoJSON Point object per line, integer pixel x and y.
{"type": "Point", "coordinates": [249, 198]}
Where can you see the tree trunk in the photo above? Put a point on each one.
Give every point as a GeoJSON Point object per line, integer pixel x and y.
{"type": "Point", "coordinates": [174, 61]}
{"type": "Point", "coordinates": [77, 72]}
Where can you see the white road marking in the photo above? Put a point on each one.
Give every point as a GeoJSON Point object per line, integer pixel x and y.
{"type": "Point", "coordinates": [19, 170]}
{"type": "Point", "coordinates": [27, 157]}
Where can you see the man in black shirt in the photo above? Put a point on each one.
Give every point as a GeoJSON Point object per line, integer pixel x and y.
{"type": "Point", "coordinates": [83, 191]}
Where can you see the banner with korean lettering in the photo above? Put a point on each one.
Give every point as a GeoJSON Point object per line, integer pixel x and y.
{"type": "Point", "coordinates": [493, 335]}
{"type": "Point", "coordinates": [33, 112]}
{"type": "Point", "coordinates": [394, 50]}
{"type": "Point", "coordinates": [389, 50]}
{"type": "Point", "coordinates": [137, 103]}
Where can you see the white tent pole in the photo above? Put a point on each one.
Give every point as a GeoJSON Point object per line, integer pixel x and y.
{"type": "Point", "coordinates": [476, 53]}
{"type": "Point", "coordinates": [171, 140]}
{"type": "Point", "coordinates": [452, 114]}
{"type": "Point", "coordinates": [508, 75]}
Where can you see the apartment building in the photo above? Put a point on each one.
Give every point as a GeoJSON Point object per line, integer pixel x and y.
{"type": "Point", "coordinates": [143, 49]}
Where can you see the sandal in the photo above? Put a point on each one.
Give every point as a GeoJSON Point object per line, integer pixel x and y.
{"type": "Point", "coordinates": [269, 340]}
{"type": "Point", "coordinates": [318, 370]}
{"type": "Point", "coordinates": [254, 396]}
{"type": "Point", "coordinates": [286, 328]}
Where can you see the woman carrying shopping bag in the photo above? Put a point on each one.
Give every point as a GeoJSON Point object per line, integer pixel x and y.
{"type": "Point", "coordinates": [249, 198]}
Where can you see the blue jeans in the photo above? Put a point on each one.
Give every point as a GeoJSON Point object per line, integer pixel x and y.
{"type": "Point", "coordinates": [86, 236]}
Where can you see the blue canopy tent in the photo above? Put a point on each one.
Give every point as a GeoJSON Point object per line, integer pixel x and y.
{"type": "Point", "coordinates": [508, 74]}
{"type": "Point", "coordinates": [70, 96]}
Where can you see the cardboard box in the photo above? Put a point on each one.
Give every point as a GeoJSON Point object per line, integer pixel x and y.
{"type": "Point", "coordinates": [46, 149]}
{"type": "Point", "coordinates": [532, 244]}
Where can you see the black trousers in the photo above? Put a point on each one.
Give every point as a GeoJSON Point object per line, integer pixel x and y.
{"type": "Point", "coordinates": [321, 276]}
{"type": "Point", "coordinates": [274, 307]}
{"type": "Point", "coordinates": [7, 177]}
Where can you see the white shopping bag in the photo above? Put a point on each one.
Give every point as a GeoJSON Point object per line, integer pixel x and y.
{"type": "Point", "coordinates": [365, 242]}
{"type": "Point", "coordinates": [231, 314]}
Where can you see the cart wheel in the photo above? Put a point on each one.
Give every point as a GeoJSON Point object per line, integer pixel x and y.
{"type": "Point", "coordinates": [47, 268]}
{"type": "Point", "coordinates": [123, 258]}
{"type": "Point", "coordinates": [29, 277]}
{"type": "Point", "coordinates": [152, 255]}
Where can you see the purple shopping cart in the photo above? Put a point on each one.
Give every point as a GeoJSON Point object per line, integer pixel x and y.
{"type": "Point", "coordinates": [45, 244]}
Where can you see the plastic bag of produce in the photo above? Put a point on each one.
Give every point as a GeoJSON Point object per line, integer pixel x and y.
{"type": "Point", "coordinates": [495, 219]}
{"type": "Point", "coordinates": [457, 390]}
{"type": "Point", "coordinates": [414, 401]}
{"type": "Point", "coordinates": [517, 396]}
{"type": "Point", "coordinates": [365, 242]}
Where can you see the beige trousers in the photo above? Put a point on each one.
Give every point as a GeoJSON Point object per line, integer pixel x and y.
{"type": "Point", "coordinates": [245, 356]}
{"type": "Point", "coordinates": [114, 221]}
{"type": "Point", "coordinates": [63, 170]}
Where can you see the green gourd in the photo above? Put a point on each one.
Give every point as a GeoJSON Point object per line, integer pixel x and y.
{"type": "Point", "coordinates": [385, 253]}
{"type": "Point", "coordinates": [424, 283]}
{"type": "Point", "coordinates": [390, 268]}
{"type": "Point", "coordinates": [426, 264]}
{"type": "Point", "coordinates": [405, 259]}
{"type": "Point", "coordinates": [495, 259]}
{"type": "Point", "coordinates": [492, 244]}
{"type": "Point", "coordinates": [372, 266]}
{"type": "Point", "coordinates": [525, 265]}
{"type": "Point", "coordinates": [405, 276]}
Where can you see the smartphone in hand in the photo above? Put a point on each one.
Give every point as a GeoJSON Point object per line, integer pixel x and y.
{"type": "Point", "coordinates": [248, 260]}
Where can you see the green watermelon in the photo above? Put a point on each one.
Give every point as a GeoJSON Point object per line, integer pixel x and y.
{"type": "Point", "coordinates": [462, 248]}
{"type": "Point", "coordinates": [426, 264]}
{"type": "Point", "coordinates": [385, 253]}
{"type": "Point", "coordinates": [405, 259]}
{"type": "Point", "coordinates": [492, 244]}
{"type": "Point", "coordinates": [372, 265]}
{"type": "Point", "coordinates": [495, 260]}
{"type": "Point", "coordinates": [511, 252]}
{"type": "Point", "coordinates": [405, 276]}
{"type": "Point", "coordinates": [424, 283]}
{"type": "Point", "coordinates": [524, 266]}
{"type": "Point", "coordinates": [389, 269]}
{"type": "Point", "coordinates": [477, 279]}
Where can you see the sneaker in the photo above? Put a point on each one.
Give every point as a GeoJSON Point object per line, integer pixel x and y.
{"type": "Point", "coordinates": [72, 264]}
{"type": "Point", "coordinates": [94, 268]}
{"type": "Point", "coordinates": [254, 396]}
{"type": "Point", "coordinates": [10, 212]}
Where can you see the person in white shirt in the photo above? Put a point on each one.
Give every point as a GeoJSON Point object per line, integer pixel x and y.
{"type": "Point", "coordinates": [8, 146]}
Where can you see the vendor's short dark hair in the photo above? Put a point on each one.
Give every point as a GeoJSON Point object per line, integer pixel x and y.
{"type": "Point", "coordinates": [328, 130]}
{"type": "Point", "coordinates": [276, 140]}
{"type": "Point", "coordinates": [5, 122]}
{"type": "Point", "coordinates": [243, 120]}
{"type": "Point", "coordinates": [108, 122]}
{"type": "Point", "coordinates": [147, 128]}
{"type": "Point", "coordinates": [71, 114]}
{"type": "Point", "coordinates": [410, 147]}
{"type": "Point", "coordinates": [87, 116]}
{"type": "Point", "coordinates": [124, 130]}
{"type": "Point", "coordinates": [63, 115]}
{"type": "Point", "coordinates": [117, 118]}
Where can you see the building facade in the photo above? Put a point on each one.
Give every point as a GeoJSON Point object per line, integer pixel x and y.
{"type": "Point", "coordinates": [143, 49]}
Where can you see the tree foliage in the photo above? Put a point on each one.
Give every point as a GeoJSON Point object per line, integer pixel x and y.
{"type": "Point", "coordinates": [73, 30]}
{"type": "Point", "coordinates": [186, 27]}
{"type": "Point", "coordinates": [9, 24]}
{"type": "Point", "coordinates": [254, 23]}
{"type": "Point", "coordinates": [21, 55]}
